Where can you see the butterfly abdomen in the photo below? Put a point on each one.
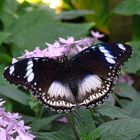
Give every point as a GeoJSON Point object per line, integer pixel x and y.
{"type": "Point", "coordinates": [72, 82]}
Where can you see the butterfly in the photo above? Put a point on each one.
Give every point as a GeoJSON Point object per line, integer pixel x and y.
{"type": "Point", "coordinates": [85, 80]}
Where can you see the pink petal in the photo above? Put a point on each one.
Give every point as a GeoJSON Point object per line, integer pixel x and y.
{"type": "Point", "coordinates": [70, 40]}
{"type": "Point", "coordinates": [2, 134]}
{"type": "Point", "coordinates": [97, 34]}
{"type": "Point", "coordinates": [79, 48]}
{"type": "Point", "coordinates": [14, 60]}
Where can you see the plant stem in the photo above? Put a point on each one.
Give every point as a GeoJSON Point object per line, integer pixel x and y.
{"type": "Point", "coordinates": [68, 115]}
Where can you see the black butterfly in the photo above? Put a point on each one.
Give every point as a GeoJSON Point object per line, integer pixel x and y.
{"type": "Point", "coordinates": [84, 81]}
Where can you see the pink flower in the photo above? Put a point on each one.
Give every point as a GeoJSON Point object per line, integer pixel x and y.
{"type": "Point", "coordinates": [36, 53]}
{"type": "Point", "coordinates": [62, 47]}
{"type": "Point", "coordinates": [96, 34]}
{"type": "Point", "coordinates": [88, 41]}
{"type": "Point", "coordinates": [11, 127]}
{"type": "Point", "coordinates": [69, 41]}
{"type": "Point", "coordinates": [80, 48]}
{"type": "Point", "coordinates": [14, 60]}
{"type": "Point", "coordinates": [54, 50]}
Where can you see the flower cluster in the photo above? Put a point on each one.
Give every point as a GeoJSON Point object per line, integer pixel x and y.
{"type": "Point", "coordinates": [67, 47]}
{"type": "Point", "coordinates": [11, 127]}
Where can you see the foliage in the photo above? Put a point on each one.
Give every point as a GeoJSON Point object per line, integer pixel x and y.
{"type": "Point", "coordinates": [129, 7]}
{"type": "Point", "coordinates": [26, 26]}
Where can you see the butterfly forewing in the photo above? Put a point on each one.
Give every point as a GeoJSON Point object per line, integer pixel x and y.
{"type": "Point", "coordinates": [45, 78]}
{"type": "Point", "coordinates": [103, 59]}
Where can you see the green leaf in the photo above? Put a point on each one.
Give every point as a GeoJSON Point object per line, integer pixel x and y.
{"type": "Point", "coordinates": [53, 136]}
{"type": "Point", "coordinates": [137, 138]}
{"type": "Point", "coordinates": [29, 19]}
{"type": "Point", "coordinates": [14, 94]}
{"type": "Point", "coordinates": [71, 14]}
{"type": "Point", "coordinates": [133, 65]}
{"type": "Point", "coordinates": [95, 134]}
{"type": "Point", "coordinates": [5, 57]}
{"type": "Point", "coordinates": [134, 107]}
{"type": "Point", "coordinates": [38, 34]}
{"type": "Point", "coordinates": [112, 112]}
{"type": "Point", "coordinates": [2, 80]}
{"type": "Point", "coordinates": [41, 124]}
{"type": "Point", "coordinates": [110, 100]}
{"type": "Point", "coordinates": [6, 5]}
{"type": "Point", "coordinates": [28, 119]}
{"type": "Point", "coordinates": [8, 10]}
{"type": "Point", "coordinates": [122, 129]}
{"type": "Point", "coordinates": [101, 9]}
{"type": "Point", "coordinates": [127, 91]}
{"type": "Point", "coordinates": [128, 7]}
{"type": "Point", "coordinates": [136, 29]}
{"type": "Point", "coordinates": [34, 29]}
{"type": "Point", "coordinates": [3, 36]}
{"type": "Point", "coordinates": [84, 122]}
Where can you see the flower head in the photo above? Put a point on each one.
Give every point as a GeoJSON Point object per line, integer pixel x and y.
{"type": "Point", "coordinates": [11, 127]}
{"type": "Point", "coordinates": [62, 47]}
{"type": "Point", "coordinates": [54, 50]}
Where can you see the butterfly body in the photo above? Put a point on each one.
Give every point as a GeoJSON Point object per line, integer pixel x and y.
{"type": "Point", "coordinates": [85, 80]}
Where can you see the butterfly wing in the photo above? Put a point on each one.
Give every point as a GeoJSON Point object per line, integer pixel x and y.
{"type": "Point", "coordinates": [44, 78]}
{"type": "Point", "coordinates": [102, 63]}
{"type": "Point", "coordinates": [103, 59]}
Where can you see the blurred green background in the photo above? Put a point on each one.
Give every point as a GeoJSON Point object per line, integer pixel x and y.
{"type": "Point", "coordinates": [26, 24]}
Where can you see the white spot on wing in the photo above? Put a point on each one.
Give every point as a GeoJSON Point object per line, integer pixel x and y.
{"type": "Point", "coordinates": [30, 62]}
{"type": "Point", "coordinates": [109, 55]}
{"type": "Point", "coordinates": [121, 46]}
{"type": "Point", "coordinates": [12, 68]}
{"type": "Point", "coordinates": [29, 66]}
{"type": "Point", "coordinates": [110, 60]}
{"type": "Point", "coordinates": [28, 72]}
{"type": "Point", "coordinates": [30, 77]}
{"type": "Point", "coordinates": [103, 50]}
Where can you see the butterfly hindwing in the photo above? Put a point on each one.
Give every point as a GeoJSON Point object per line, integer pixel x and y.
{"type": "Point", "coordinates": [93, 90]}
